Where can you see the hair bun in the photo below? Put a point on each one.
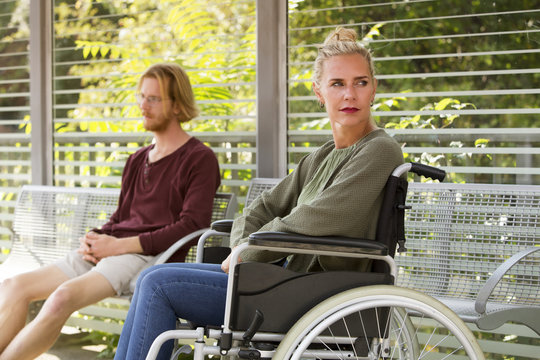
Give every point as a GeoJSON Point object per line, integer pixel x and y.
{"type": "Point", "coordinates": [339, 42]}
{"type": "Point", "coordinates": [341, 34]}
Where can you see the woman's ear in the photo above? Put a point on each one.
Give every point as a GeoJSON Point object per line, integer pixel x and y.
{"type": "Point", "coordinates": [317, 92]}
{"type": "Point", "coordinates": [374, 89]}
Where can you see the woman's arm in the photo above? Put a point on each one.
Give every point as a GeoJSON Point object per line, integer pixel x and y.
{"type": "Point", "coordinates": [350, 205]}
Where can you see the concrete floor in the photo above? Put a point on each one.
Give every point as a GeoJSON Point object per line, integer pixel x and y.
{"type": "Point", "coordinates": [72, 345]}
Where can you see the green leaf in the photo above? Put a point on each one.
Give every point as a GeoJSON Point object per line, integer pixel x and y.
{"type": "Point", "coordinates": [441, 105]}
{"type": "Point", "coordinates": [94, 50]}
{"type": "Point", "coordinates": [481, 142]}
{"type": "Point", "coordinates": [103, 51]}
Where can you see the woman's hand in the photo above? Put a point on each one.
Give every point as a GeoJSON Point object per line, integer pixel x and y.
{"type": "Point", "coordinates": [226, 264]}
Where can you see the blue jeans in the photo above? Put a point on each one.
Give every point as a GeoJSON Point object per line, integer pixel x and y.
{"type": "Point", "coordinates": [194, 292]}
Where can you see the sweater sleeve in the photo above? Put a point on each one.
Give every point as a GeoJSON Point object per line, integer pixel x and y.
{"type": "Point", "coordinates": [348, 206]}
{"type": "Point", "coordinates": [276, 202]}
{"type": "Point", "coordinates": [200, 184]}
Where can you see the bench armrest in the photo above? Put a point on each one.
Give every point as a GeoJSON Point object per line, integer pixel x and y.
{"type": "Point", "coordinates": [164, 256]}
{"type": "Point", "coordinates": [324, 243]}
{"type": "Point", "coordinates": [491, 283]}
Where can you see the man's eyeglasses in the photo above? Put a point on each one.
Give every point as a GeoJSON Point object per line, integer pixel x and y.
{"type": "Point", "coordinates": [151, 100]}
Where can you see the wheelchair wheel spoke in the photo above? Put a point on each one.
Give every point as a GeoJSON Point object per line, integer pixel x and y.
{"type": "Point", "coordinates": [382, 322]}
{"type": "Point", "coordinates": [366, 340]}
{"type": "Point", "coordinates": [350, 337]}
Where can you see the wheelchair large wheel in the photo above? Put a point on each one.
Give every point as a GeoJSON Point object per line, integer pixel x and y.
{"type": "Point", "coordinates": [379, 322]}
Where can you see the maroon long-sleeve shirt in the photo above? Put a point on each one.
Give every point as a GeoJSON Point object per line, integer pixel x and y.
{"type": "Point", "coordinates": [163, 201]}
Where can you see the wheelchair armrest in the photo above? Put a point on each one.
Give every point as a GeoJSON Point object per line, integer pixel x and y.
{"type": "Point", "coordinates": [217, 228]}
{"type": "Point", "coordinates": [324, 243]}
{"type": "Point", "coordinates": [224, 225]}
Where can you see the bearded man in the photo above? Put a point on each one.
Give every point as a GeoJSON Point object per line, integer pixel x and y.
{"type": "Point", "coordinates": [167, 192]}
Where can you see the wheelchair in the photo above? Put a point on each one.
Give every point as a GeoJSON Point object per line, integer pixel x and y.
{"type": "Point", "coordinates": [274, 313]}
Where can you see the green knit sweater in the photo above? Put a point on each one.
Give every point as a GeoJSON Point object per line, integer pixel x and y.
{"type": "Point", "coordinates": [348, 206]}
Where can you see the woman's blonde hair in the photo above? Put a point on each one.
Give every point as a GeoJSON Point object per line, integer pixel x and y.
{"type": "Point", "coordinates": [174, 85]}
{"type": "Point", "coordinates": [341, 41]}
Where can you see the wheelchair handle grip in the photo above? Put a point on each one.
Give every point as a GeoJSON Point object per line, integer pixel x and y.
{"type": "Point", "coordinates": [428, 171]}
{"type": "Point", "coordinates": [420, 169]}
{"type": "Point", "coordinates": [224, 225]}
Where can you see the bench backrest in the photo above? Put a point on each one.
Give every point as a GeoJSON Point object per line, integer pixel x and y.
{"type": "Point", "coordinates": [458, 234]}
{"type": "Point", "coordinates": [49, 220]}
{"type": "Point", "coordinates": [258, 186]}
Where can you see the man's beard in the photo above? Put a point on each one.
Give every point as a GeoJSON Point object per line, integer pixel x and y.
{"type": "Point", "coordinates": [158, 125]}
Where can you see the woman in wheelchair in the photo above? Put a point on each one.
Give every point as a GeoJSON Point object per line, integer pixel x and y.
{"type": "Point", "coordinates": [320, 197]}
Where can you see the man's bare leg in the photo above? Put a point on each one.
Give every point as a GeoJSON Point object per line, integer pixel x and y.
{"type": "Point", "coordinates": [16, 294]}
{"type": "Point", "coordinates": [40, 334]}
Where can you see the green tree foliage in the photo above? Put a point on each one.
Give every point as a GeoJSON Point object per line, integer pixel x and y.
{"type": "Point", "coordinates": [108, 44]}
{"type": "Point", "coordinates": [431, 53]}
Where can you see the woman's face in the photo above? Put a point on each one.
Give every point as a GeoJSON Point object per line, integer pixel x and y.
{"type": "Point", "coordinates": [347, 90]}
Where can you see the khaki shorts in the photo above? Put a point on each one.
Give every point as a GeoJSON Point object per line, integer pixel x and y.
{"type": "Point", "coordinates": [121, 271]}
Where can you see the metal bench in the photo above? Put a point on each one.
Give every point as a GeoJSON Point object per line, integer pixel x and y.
{"type": "Point", "coordinates": [49, 221]}
{"type": "Point", "coordinates": [475, 247]}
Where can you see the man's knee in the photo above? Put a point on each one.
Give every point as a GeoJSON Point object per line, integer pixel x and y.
{"type": "Point", "coordinates": [60, 302]}
{"type": "Point", "coordinates": [16, 290]}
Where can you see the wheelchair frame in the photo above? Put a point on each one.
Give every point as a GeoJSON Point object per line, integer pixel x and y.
{"type": "Point", "coordinates": [405, 303]}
